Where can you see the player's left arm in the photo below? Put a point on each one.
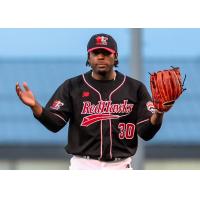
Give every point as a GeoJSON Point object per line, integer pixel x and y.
{"type": "Point", "coordinates": [149, 121]}
{"type": "Point", "coordinates": [147, 130]}
{"type": "Point", "coordinates": [156, 118]}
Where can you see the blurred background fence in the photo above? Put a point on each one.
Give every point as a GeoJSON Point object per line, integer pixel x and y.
{"type": "Point", "coordinates": [26, 144]}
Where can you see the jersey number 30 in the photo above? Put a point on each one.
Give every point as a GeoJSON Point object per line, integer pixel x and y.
{"type": "Point", "coordinates": [126, 130]}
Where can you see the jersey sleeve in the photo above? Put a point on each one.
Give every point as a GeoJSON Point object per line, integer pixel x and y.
{"type": "Point", "coordinates": [57, 111]}
{"type": "Point", "coordinates": [60, 102]}
{"type": "Point", "coordinates": [145, 129]}
{"type": "Point", "coordinates": [144, 110]}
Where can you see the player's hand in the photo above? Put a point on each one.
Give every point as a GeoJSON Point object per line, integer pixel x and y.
{"type": "Point", "coordinates": [26, 95]}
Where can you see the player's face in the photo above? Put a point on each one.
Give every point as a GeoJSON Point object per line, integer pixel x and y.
{"type": "Point", "coordinates": [101, 61]}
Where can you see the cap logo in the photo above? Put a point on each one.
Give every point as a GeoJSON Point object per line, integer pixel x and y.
{"type": "Point", "coordinates": [101, 40]}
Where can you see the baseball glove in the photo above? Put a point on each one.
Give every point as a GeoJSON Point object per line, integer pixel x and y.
{"type": "Point", "coordinates": [166, 87]}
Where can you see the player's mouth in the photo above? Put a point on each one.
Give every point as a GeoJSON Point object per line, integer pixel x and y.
{"type": "Point", "coordinates": [101, 65]}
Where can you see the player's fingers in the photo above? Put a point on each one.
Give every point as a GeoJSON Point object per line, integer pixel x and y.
{"type": "Point", "coordinates": [18, 89]}
{"type": "Point", "coordinates": [25, 86]}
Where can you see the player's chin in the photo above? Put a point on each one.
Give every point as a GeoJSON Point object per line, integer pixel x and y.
{"type": "Point", "coordinates": [101, 69]}
{"type": "Point", "coordinates": [102, 72]}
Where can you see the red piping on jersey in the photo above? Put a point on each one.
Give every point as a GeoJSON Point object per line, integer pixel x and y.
{"type": "Point", "coordinates": [142, 121]}
{"type": "Point", "coordinates": [101, 132]}
{"type": "Point", "coordinates": [110, 120]}
{"type": "Point", "coordinates": [60, 117]}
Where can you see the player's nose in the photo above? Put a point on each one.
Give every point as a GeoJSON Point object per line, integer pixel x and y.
{"type": "Point", "coordinates": [100, 56]}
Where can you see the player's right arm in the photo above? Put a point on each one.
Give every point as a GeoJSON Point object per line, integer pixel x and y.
{"type": "Point", "coordinates": [46, 117]}
{"type": "Point", "coordinates": [27, 97]}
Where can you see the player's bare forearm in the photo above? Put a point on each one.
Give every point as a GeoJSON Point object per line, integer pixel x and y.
{"type": "Point", "coordinates": [37, 109]}
{"type": "Point", "coordinates": [156, 118]}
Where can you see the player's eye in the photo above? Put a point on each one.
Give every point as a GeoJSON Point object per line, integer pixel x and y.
{"type": "Point", "coordinates": [107, 53]}
{"type": "Point", "coordinates": [101, 51]}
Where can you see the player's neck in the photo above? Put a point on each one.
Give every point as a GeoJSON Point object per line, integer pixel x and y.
{"type": "Point", "coordinates": [107, 76]}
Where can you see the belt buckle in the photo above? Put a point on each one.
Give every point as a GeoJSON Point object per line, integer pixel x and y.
{"type": "Point", "coordinates": [117, 159]}
{"type": "Point", "coordinates": [99, 158]}
{"type": "Point", "coordinates": [86, 157]}
{"type": "Point", "coordinates": [94, 158]}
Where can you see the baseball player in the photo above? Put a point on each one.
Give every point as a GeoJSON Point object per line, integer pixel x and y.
{"type": "Point", "coordinates": [106, 111]}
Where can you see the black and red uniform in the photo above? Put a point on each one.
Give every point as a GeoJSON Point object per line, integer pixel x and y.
{"type": "Point", "coordinates": [105, 117]}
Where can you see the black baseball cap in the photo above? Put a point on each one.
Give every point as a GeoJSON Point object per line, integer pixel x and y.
{"type": "Point", "coordinates": [102, 41]}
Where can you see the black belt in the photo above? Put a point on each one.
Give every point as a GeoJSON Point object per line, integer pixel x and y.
{"type": "Point", "coordinates": [102, 159]}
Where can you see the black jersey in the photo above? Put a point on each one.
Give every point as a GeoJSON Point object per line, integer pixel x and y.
{"type": "Point", "coordinates": [105, 117]}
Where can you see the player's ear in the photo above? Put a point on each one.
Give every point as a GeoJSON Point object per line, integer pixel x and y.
{"type": "Point", "coordinates": [88, 58]}
{"type": "Point", "coordinates": [116, 56]}
{"type": "Point", "coordinates": [116, 59]}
